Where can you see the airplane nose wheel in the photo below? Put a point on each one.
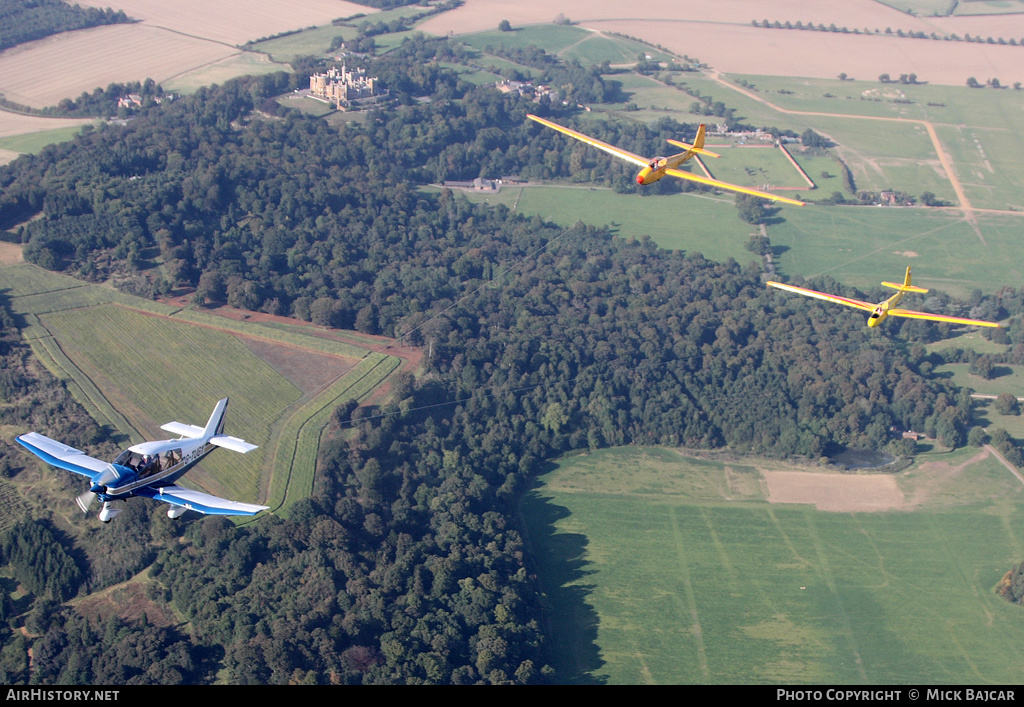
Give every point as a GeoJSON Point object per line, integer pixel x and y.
{"type": "Point", "coordinates": [109, 512]}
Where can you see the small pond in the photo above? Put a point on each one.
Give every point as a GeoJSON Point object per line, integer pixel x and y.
{"type": "Point", "coordinates": [853, 458]}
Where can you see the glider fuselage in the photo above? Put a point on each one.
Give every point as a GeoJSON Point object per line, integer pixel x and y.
{"type": "Point", "coordinates": [882, 310]}
{"type": "Point", "coordinates": [655, 169]}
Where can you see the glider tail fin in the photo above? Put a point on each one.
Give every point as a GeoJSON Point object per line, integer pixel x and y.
{"type": "Point", "coordinates": [906, 286]}
{"type": "Point", "coordinates": [698, 143]}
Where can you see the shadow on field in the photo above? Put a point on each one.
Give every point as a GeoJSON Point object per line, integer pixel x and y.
{"type": "Point", "coordinates": [572, 622]}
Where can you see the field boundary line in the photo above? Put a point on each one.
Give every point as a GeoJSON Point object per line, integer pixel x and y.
{"type": "Point", "coordinates": [1013, 470]}
{"type": "Point", "coordinates": [285, 477]}
{"type": "Point", "coordinates": [947, 166]}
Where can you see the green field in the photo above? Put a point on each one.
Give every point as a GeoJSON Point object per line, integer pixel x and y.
{"type": "Point", "coordinates": [1009, 378]}
{"type": "Point", "coordinates": [661, 569]}
{"type": "Point", "coordinates": [31, 143]}
{"type": "Point", "coordinates": [863, 246]}
{"type": "Point", "coordinates": [174, 371]}
{"type": "Point", "coordinates": [860, 246]}
{"type": "Point", "coordinates": [133, 371]}
{"type": "Point", "coordinates": [569, 42]}
{"type": "Point", "coordinates": [243, 64]}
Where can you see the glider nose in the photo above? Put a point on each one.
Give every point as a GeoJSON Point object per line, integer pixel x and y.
{"type": "Point", "coordinates": [640, 178]}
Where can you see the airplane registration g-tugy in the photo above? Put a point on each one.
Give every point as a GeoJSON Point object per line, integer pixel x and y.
{"type": "Point", "coordinates": [881, 310]}
{"type": "Point", "coordinates": [149, 469]}
{"type": "Point", "coordinates": [653, 169]}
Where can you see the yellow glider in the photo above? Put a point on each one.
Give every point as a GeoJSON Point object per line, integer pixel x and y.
{"type": "Point", "coordinates": [887, 308]}
{"type": "Point", "coordinates": [657, 167]}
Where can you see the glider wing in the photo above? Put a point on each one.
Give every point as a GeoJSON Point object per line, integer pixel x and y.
{"type": "Point", "coordinates": [940, 318]}
{"type": "Point", "coordinates": [856, 303]}
{"type": "Point", "coordinates": [731, 187]}
{"type": "Point", "coordinates": [610, 149]}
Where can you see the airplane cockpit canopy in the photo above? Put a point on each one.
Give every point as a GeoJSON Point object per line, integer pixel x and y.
{"type": "Point", "coordinates": [150, 457]}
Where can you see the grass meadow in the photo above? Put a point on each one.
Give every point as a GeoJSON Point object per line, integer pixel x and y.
{"type": "Point", "coordinates": [134, 371]}
{"type": "Point", "coordinates": [570, 42]}
{"type": "Point", "coordinates": [165, 370]}
{"type": "Point", "coordinates": [686, 577]}
{"type": "Point", "coordinates": [234, 66]}
{"type": "Point", "coordinates": [861, 246]}
{"type": "Point", "coordinates": [315, 41]}
{"type": "Point", "coordinates": [1009, 378]}
{"type": "Point", "coordinates": [31, 143]}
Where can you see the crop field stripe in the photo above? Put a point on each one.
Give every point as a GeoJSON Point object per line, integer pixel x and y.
{"type": "Point", "coordinates": [81, 387]}
{"type": "Point", "coordinates": [691, 599]}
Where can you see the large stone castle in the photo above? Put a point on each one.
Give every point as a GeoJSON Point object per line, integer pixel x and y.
{"type": "Point", "coordinates": [343, 87]}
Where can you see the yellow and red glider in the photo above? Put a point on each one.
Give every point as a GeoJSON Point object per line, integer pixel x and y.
{"type": "Point", "coordinates": [887, 308]}
{"type": "Point", "coordinates": [655, 168]}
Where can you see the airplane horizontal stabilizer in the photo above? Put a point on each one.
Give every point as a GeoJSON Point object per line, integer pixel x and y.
{"type": "Point", "coordinates": [698, 150]}
{"type": "Point", "coordinates": [905, 288]}
{"type": "Point", "coordinates": [233, 443]}
{"type": "Point", "coordinates": [183, 430]}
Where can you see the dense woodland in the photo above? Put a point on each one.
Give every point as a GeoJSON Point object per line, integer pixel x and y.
{"type": "Point", "coordinates": [25, 20]}
{"type": "Point", "coordinates": [408, 564]}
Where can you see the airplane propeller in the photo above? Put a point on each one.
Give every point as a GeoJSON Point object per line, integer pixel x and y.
{"type": "Point", "coordinates": [86, 500]}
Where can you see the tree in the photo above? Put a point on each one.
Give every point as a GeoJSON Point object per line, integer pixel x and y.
{"type": "Point", "coordinates": [759, 245]}
{"type": "Point", "coordinates": [809, 138]}
{"type": "Point", "coordinates": [1007, 404]}
{"type": "Point", "coordinates": [973, 82]}
{"type": "Point", "coordinates": [977, 436]}
{"type": "Point", "coordinates": [751, 208]}
{"type": "Point", "coordinates": [884, 78]}
{"type": "Point", "coordinates": [505, 26]}
{"type": "Point", "coordinates": [982, 366]}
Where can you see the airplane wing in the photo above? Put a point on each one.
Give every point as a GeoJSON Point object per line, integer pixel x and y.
{"type": "Point", "coordinates": [200, 502]}
{"type": "Point", "coordinates": [610, 149]}
{"type": "Point", "coordinates": [939, 318]}
{"type": "Point", "coordinates": [866, 306]}
{"type": "Point", "coordinates": [62, 456]}
{"type": "Point", "coordinates": [682, 174]}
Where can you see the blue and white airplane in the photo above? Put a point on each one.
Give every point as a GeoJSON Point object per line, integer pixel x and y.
{"type": "Point", "coordinates": [149, 469]}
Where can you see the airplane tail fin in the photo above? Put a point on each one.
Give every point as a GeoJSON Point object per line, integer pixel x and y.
{"type": "Point", "coordinates": [698, 143]}
{"type": "Point", "coordinates": [215, 431]}
{"type": "Point", "coordinates": [906, 286]}
{"type": "Point", "coordinates": [216, 423]}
